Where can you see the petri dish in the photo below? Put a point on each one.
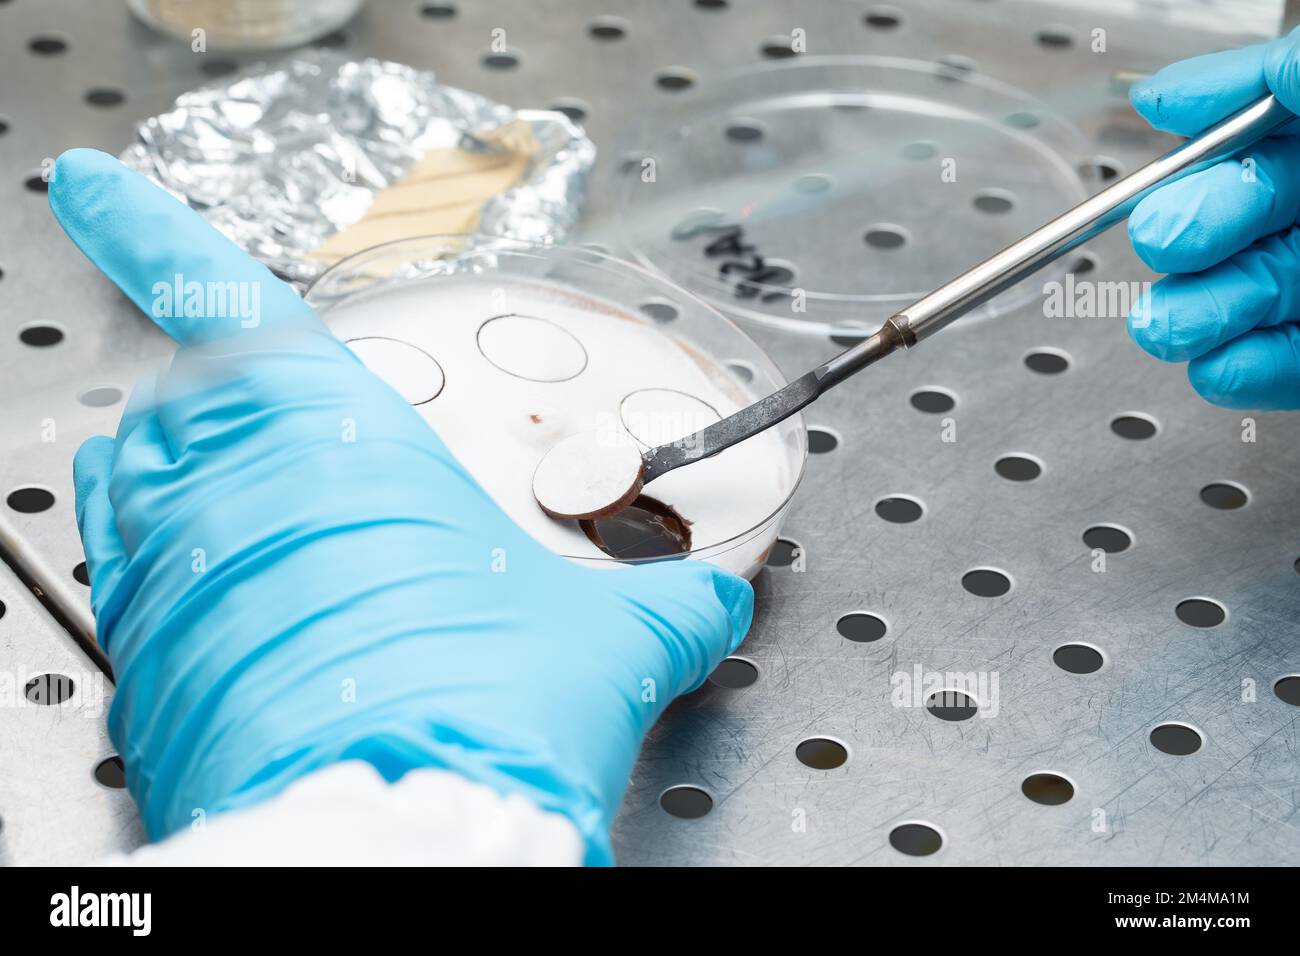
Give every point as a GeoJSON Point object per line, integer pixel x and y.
{"type": "Point", "coordinates": [861, 184]}
{"type": "Point", "coordinates": [524, 344]}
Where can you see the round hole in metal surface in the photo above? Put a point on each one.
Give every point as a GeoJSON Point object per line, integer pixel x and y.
{"type": "Point", "coordinates": [47, 45]}
{"type": "Point", "coordinates": [812, 184]}
{"type": "Point", "coordinates": [778, 47]}
{"type": "Point", "coordinates": [49, 689]}
{"type": "Point", "coordinates": [994, 202]}
{"type": "Point", "coordinates": [885, 236]}
{"type": "Point", "coordinates": [217, 66]}
{"type": "Point", "coordinates": [951, 705]}
{"type": "Point", "coordinates": [861, 627]}
{"type": "Point", "coordinates": [743, 371]}
{"type": "Point", "coordinates": [30, 500]}
{"type": "Point", "coordinates": [1055, 37]}
{"type": "Point", "coordinates": [332, 40]}
{"type": "Point", "coordinates": [661, 310]}
{"type": "Point", "coordinates": [572, 107]}
{"type": "Point", "coordinates": [101, 396]}
{"type": "Point", "coordinates": [821, 753]}
{"type": "Point", "coordinates": [1225, 495]}
{"type": "Point", "coordinates": [675, 79]}
{"type": "Point", "coordinates": [744, 131]}
{"type": "Point", "coordinates": [1018, 467]}
{"type": "Point", "coordinates": [81, 575]}
{"type": "Point", "coordinates": [1049, 789]}
{"type": "Point", "coordinates": [1023, 119]}
{"type": "Point", "coordinates": [734, 673]}
{"type": "Point", "coordinates": [1177, 740]}
{"type": "Point", "coordinates": [607, 28]}
{"type": "Point", "coordinates": [104, 97]}
{"type": "Point", "coordinates": [504, 60]}
{"type": "Point", "coordinates": [1201, 612]}
{"type": "Point", "coordinates": [916, 839]}
{"type": "Point", "coordinates": [849, 334]}
{"type": "Point", "coordinates": [696, 222]}
{"type": "Point", "coordinates": [40, 336]}
{"type": "Point", "coordinates": [1287, 689]}
{"type": "Point", "coordinates": [36, 183]}
{"type": "Point", "coordinates": [883, 18]}
{"type": "Point", "coordinates": [111, 773]}
{"type": "Point", "coordinates": [1134, 426]}
{"type": "Point", "coordinates": [899, 509]}
{"type": "Point", "coordinates": [783, 553]}
{"type": "Point", "coordinates": [933, 401]}
{"type": "Point", "coordinates": [1085, 263]}
{"type": "Point", "coordinates": [1108, 537]}
{"type": "Point", "coordinates": [1101, 169]}
{"type": "Point", "coordinates": [954, 66]}
{"type": "Point", "coordinates": [1078, 658]}
{"type": "Point", "coordinates": [821, 440]}
{"type": "Point", "coordinates": [4, 125]}
{"type": "Point", "coordinates": [921, 149]}
{"type": "Point", "coordinates": [986, 582]}
{"type": "Point", "coordinates": [685, 802]}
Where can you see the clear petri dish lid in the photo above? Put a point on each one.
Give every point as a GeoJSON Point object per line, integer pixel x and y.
{"type": "Point", "coordinates": [505, 347]}
{"type": "Point", "coordinates": [823, 194]}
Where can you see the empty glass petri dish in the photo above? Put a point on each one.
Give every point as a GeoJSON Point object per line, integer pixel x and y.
{"type": "Point", "coordinates": [823, 194]}
{"type": "Point", "coordinates": [507, 347]}
{"type": "Point", "coordinates": [266, 24]}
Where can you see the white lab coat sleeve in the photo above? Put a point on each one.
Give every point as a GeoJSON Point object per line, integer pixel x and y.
{"type": "Point", "coordinates": [346, 814]}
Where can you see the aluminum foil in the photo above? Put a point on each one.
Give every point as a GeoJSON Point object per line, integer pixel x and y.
{"type": "Point", "coordinates": [287, 154]}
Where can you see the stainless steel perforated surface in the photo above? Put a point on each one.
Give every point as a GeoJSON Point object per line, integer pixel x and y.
{"type": "Point", "coordinates": [1232, 801]}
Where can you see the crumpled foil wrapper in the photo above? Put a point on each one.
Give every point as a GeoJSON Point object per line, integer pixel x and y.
{"type": "Point", "coordinates": [287, 154]}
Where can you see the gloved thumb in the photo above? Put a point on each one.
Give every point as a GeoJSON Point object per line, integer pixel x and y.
{"type": "Point", "coordinates": [700, 613]}
{"type": "Point", "coordinates": [1191, 95]}
{"type": "Point", "coordinates": [196, 284]}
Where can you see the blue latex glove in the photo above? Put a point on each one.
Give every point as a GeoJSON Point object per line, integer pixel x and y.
{"type": "Point", "coordinates": [1226, 235]}
{"type": "Point", "coordinates": [275, 597]}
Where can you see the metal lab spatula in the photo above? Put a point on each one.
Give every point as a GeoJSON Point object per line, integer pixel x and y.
{"type": "Point", "coordinates": [594, 475]}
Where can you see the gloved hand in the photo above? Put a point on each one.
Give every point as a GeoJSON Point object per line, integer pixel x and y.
{"type": "Point", "coordinates": [1226, 235]}
{"type": "Point", "coordinates": [289, 569]}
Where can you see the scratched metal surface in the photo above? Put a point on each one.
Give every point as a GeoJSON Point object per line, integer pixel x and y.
{"type": "Point", "coordinates": [54, 809]}
{"type": "Point", "coordinates": [1234, 801]}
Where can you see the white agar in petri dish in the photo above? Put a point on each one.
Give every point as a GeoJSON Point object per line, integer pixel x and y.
{"type": "Point", "coordinates": [526, 363]}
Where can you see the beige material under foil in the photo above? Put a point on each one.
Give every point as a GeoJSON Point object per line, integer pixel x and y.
{"type": "Point", "coordinates": [443, 192]}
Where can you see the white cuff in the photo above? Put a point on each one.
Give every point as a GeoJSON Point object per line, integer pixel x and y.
{"type": "Point", "coordinates": [346, 814]}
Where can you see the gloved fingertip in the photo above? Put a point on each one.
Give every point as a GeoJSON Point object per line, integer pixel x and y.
{"type": "Point", "coordinates": [1211, 380]}
{"type": "Point", "coordinates": [1191, 95]}
{"type": "Point", "coordinates": [1145, 96]}
{"type": "Point", "coordinates": [736, 595]}
{"type": "Point", "coordinates": [1259, 370]}
{"type": "Point", "coordinates": [77, 175]}
{"type": "Point", "coordinates": [1143, 327]}
{"type": "Point", "coordinates": [164, 256]}
{"type": "Point", "coordinates": [1145, 233]}
{"type": "Point", "coordinates": [1282, 69]}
